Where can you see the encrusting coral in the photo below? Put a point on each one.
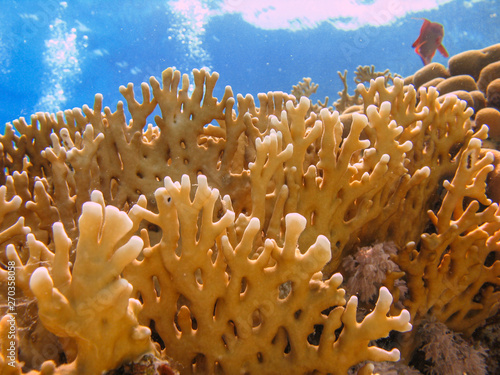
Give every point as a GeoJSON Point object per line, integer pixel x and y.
{"type": "Point", "coordinates": [221, 229]}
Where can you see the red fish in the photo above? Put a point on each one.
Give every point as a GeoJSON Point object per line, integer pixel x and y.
{"type": "Point", "coordinates": [429, 40]}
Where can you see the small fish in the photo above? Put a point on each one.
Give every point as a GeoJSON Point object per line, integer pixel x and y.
{"type": "Point", "coordinates": [429, 40]}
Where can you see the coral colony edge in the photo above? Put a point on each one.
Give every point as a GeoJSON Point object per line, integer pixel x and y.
{"type": "Point", "coordinates": [279, 237]}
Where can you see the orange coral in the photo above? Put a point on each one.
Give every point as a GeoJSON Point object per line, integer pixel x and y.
{"type": "Point", "coordinates": [246, 214]}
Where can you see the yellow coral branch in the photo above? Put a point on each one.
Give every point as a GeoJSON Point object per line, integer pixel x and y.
{"type": "Point", "coordinates": [91, 302]}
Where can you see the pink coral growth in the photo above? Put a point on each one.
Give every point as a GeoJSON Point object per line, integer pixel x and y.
{"type": "Point", "coordinates": [366, 271]}
{"type": "Point", "coordinates": [449, 353]}
{"type": "Point", "coordinates": [387, 368]}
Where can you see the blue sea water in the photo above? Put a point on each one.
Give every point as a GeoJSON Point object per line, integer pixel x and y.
{"type": "Point", "coordinates": [56, 55]}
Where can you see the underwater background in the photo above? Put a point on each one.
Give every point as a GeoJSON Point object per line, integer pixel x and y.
{"type": "Point", "coordinates": [57, 55]}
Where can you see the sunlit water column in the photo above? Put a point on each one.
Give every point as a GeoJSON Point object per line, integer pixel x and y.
{"type": "Point", "coordinates": [61, 58]}
{"type": "Point", "coordinates": [188, 29]}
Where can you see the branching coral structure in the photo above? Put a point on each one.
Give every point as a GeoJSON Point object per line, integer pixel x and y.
{"type": "Point", "coordinates": [90, 303]}
{"type": "Point", "coordinates": [230, 311]}
{"type": "Point", "coordinates": [222, 228]}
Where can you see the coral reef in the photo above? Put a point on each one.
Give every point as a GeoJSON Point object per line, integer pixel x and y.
{"type": "Point", "coordinates": [307, 88]}
{"type": "Point", "coordinates": [216, 238]}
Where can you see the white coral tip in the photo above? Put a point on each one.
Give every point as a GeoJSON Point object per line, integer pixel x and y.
{"type": "Point", "coordinates": [393, 355]}
{"type": "Point", "coordinates": [141, 333]}
{"type": "Point", "coordinates": [405, 317]}
{"type": "Point", "coordinates": [41, 283]}
{"type": "Point", "coordinates": [320, 250]}
{"type": "Point", "coordinates": [384, 298]}
{"type": "Point", "coordinates": [295, 221]}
